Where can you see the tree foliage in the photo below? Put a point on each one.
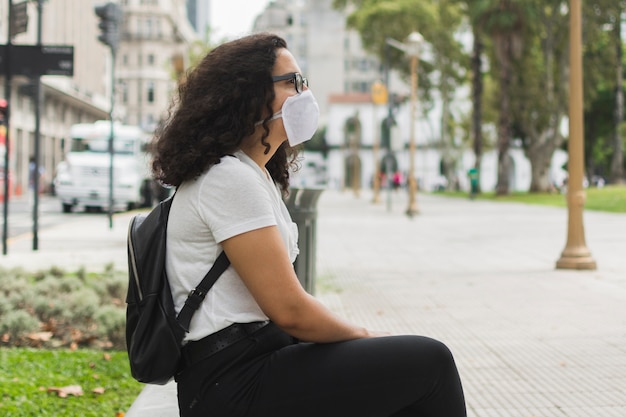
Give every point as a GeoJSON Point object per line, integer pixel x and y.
{"type": "Point", "coordinates": [524, 47]}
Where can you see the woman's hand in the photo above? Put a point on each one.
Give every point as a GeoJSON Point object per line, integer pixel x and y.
{"type": "Point", "coordinates": [377, 333]}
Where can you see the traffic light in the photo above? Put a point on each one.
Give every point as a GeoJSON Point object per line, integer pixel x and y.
{"type": "Point", "coordinates": [110, 16]}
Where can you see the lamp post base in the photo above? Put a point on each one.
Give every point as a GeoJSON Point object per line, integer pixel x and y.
{"type": "Point", "coordinates": [412, 210]}
{"type": "Point", "coordinates": [580, 259]}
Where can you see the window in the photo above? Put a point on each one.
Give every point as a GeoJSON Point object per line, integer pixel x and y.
{"type": "Point", "coordinates": [148, 28]}
{"type": "Point", "coordinates": [150, 91]}
{"type": "Point", "coordinates": [124, 88]}
{"type": "Point", "coordinates": [150, 59]}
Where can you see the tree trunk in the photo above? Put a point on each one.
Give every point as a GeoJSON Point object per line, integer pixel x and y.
{"type": "Point", "coordinates": [477, 95]}
{"type": "Point", "coordinates": [540, 153]}
{"type": "Point", "coordinates": [503, 44]}
{"type": "Point", "coordinates": [446, 141]}
{"type": "Point", "coordinates": [544, 141]}
{"type": "Point", "coordinates": [617, 162]}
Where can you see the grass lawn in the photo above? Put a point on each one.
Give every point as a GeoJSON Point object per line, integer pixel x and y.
{"type": "Point", "coordinates": [609, 198]}
{"type": "Point", "coordinates": [33, 382]}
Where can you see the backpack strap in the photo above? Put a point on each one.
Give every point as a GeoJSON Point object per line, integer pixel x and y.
{"type": "Point", "coordinates": [195, 297]}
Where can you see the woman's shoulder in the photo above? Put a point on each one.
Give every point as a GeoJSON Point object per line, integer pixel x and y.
{"type": "Point", "coordinates": [230, 166]}
{"type": "Point", "coordinates": [230, 173]}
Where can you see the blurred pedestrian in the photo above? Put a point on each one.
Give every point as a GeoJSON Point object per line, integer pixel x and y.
{"type": "Point", "coordinates": [474, 179]}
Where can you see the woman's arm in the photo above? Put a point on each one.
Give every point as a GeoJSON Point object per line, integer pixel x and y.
{"type": "Point", "coordinates": [260, 258]}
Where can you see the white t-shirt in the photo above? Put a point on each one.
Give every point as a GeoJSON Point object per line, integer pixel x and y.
{"type": "Point", "coordinates": [232, 197]}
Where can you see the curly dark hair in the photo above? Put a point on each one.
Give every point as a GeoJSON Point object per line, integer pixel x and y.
{"type": "Point", "coordinates": [217, 107]}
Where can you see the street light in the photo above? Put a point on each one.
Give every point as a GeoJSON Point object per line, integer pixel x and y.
{"type": "Point", "coordinates": [411, 47]}
{"type": "Point", "coordinates": [575, 255]}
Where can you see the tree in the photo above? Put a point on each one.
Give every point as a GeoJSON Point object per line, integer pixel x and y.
{"type": "Point", "coordinates": [506, 21]}
{"type": "Point", "coordinates": [617, 160]}
{"type": "Point", "coordinates": [442, 69]}
{"type": "Point", "coordinates": [604, 113]}
{"type": "Point", "coordinates": [476, 74]}
{"type": "Point", "coordinates": [540, 89]}
{"type": "Point", "coordinates": [449, 63]}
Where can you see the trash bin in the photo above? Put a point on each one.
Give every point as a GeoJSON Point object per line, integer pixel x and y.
{"type": "Point", "coordinates": [302, 206]}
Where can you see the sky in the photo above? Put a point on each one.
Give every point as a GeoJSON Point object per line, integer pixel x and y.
{"type": "Point", "coordinates": [233, 18]}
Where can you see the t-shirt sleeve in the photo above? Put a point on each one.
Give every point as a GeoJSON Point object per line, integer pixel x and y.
{"type": "Point", "coordinates": [233, 200]}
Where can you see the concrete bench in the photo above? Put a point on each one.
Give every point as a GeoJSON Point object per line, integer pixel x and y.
{"type": "Point", "coordinates": [155, 401]}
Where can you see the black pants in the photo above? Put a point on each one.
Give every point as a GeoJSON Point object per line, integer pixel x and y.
{"type": "Point", "coordinates": [267, 375]}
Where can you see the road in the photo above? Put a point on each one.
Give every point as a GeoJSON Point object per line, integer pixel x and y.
{"type": "Point", "coordinates": [21, 219]}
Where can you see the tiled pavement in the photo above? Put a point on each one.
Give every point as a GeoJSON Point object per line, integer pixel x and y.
{"type": "Point", "coordinates": [529, 340]}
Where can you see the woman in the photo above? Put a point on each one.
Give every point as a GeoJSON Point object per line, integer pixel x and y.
{"type": "Point", "coordinates": [259, 345]}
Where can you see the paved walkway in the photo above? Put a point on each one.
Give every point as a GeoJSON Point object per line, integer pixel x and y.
{"type": "Point", "coordinates": [529, 340]}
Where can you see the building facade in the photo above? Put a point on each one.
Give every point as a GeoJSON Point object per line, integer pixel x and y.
{"type": "Point", "coordinates": [66, 100]}
{"type": "Point", "coordinates": [153, 48]}
{"type": "Point", "coordinates": [154, 37]}
{"type": "Point", "coordinates": [199, 15]}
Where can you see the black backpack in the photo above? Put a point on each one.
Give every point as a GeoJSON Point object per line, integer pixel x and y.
{"type": "Point", "coordinates": [154, 333]}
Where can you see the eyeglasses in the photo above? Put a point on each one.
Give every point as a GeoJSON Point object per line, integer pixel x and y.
{"type": "Point", "coordinates": [296, 78]}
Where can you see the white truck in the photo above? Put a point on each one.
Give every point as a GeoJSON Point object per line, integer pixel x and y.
{"type": "Point", "coordinates": [82, 178]}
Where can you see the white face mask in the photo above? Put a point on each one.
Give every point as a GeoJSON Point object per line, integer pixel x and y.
{"type": "Point", "coordinates": [300, 114]}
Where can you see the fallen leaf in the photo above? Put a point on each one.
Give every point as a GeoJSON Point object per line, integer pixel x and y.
{"type": "Point", "coordinates": [120, 414]}
{"type": "Point", "coordinates": [106, 357]}
{"type": "Point", "coordinates": [99, 390]}
{"type": "Point", "coordinates": [40, 336]}
{"type": "Point", "coordinates": [63, 392]}
{"type": "Point", "coordinates": [73, 346]}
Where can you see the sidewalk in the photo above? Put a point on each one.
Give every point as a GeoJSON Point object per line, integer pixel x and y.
{"type": "Point", "coordinates": [529, 340]}
{"type": "Point", "coordinates": [81, 241]}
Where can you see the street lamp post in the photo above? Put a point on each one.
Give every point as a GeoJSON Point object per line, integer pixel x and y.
{"type": "Point", "coordinates": [575, 255]}
{"type": "Point", "coordinates": [411, 47]}
{"type": "Point", "coordinates": [414, 42]}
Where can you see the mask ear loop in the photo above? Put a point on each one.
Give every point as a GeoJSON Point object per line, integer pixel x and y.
{"type": "Point", "coordinates": [275, 116]}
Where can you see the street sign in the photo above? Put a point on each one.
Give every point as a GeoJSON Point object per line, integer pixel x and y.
{"type": "Point", "coordinates": [35, 60]}
{"type": "Point", "coordinates": [19, 19]}
{"type": "Point", "coordinates": [379, 93]}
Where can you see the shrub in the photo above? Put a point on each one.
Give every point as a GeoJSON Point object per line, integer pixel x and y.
{"type": "Point", "coordinates": [17, 324]}
{"type": "Point", "coordinates": [112, 325]}
{"type": "Point", "coordinates": [75, 308]}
